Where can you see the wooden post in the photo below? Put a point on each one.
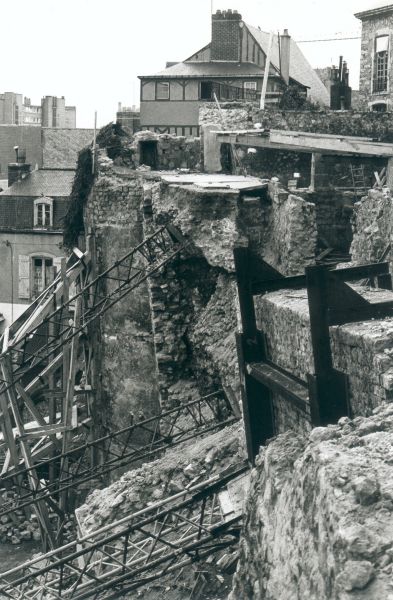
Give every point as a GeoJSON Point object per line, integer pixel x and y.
{"type": "Point", "coordinates": [266, 73]}
{"type": "Point", "coordinates": [389, 174]}
{"type": "Point", "coordinates": [315, 156]}
{"type": "Point", "coordinates": [327, 387]}
{"type": "Point", "coordinates": [256, 398]}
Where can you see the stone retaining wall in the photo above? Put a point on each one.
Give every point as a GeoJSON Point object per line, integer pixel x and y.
{"type": "Point", "coordinates": [372, 227]}
{"type": "Point", "coordinates": [364, 351]}
{"type": "Point", "coordinates": [353, 123]}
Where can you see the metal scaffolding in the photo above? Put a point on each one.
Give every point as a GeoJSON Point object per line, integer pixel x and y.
{"type": "Point", "coordinates": [41, 353]}
{"type": "Point", "coordinates": [151, 543]}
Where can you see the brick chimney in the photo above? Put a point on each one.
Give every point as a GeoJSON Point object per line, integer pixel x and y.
{"type": "Point", "coordinates": [285, 54]}
{"type": "Point", "coordinates": [19, 169]}
{"type": "Point", "coordinates": [226, 35]}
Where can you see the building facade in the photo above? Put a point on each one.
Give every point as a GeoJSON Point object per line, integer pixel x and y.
{"type": "Point", "coordinates": [231, 67]}
{"type": "Point", "coordinates": [376, 63]}
{"type": "Point", "coordinates": [52, 112]}
{"type": "Point", "coordinates": [32, 210]}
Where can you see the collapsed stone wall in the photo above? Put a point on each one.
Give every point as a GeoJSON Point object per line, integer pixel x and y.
{"type": "Point", "coordinates": [372, 227]}
{"type": "Point", "coordinates": [194, 298]}
{"type": "Point", "coordinates": [364, 350]}
{"type": "Point", "coordinates": [319, 515]}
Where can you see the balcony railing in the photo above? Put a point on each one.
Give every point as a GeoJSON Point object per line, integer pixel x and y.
{"type": "Point", "coordinates": [227, 92]}
{"type": "Point", "coordinates": [380, 84]}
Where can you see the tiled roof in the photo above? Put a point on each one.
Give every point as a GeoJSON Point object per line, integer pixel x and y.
{"type": "Point", "coordinates": [60, 147]}
{"type": "Point", "coordinates": [43, 182]}
{"type": "Point", "coordinates": [210, 69]}
{"type": "Point", "coordinates": [299, 68]}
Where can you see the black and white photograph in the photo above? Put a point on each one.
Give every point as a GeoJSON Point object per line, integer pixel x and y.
{"type": "Point", "coordinates": [196, 300]}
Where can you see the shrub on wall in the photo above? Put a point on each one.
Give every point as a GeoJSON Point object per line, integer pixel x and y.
{"type": "Point", "coordinates": [83, 181]}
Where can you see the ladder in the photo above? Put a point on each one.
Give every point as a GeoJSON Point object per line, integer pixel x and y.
{"type": "Point", "coordinates": [358, 179]}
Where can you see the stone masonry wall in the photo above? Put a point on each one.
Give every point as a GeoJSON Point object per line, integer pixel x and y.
{"type": "Point", "coordinates": [372, 225]}
{"type": "Point", "coordinates": [319, 515]}
{"type": "Point", "coordinates": [173, 152]}
{"type": "Point", "coordinates": [364, 351]}
{"type": "Point", "coordinates": [292, 232]}
{"type": "Point", "coordinates": [126, 351]}
{"type": "Point", "coordinates": [365, 123]}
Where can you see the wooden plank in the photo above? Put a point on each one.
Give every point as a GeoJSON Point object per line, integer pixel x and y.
{"type": "Point", "coordinates": [48, 430]}
{"type": "Point", "coordinates": [344, 315]}
{"type": "Point", "coordinates": [281, 383]}
{"type": "Point", "coordinates": [286, 283]}
{"type": "Point", "coordinates": [309, 144]}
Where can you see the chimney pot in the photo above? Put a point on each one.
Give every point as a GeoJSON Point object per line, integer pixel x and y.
{"type": "Point", "coordinates": [286, 32]}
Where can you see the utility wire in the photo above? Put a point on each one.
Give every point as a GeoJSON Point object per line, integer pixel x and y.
{"type": "Point", "coordinates": [358, 37]}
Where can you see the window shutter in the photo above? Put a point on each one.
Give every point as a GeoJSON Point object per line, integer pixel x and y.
{"type": "Point", "coordinates": [24, 277]}
{"type": "Point", "coordinates": [57, 264]}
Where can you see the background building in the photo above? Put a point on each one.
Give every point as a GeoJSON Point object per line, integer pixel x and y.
{"type": "Point", "coordinates": [376, 63]}
{"type": "Point", "coordinates": [232, 67]}
{"type": "Point", "coordinates": [14, 110]}
{"type": "Point", "coordinates": [32, 210]}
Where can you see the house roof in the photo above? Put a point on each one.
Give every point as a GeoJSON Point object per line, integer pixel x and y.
{"type": "Point", "coordinates": [299, 68]}
{"type": "Point", "coordinates": [56, 182]}
{"type": "Point", "coordinates": [209, 69]}
{"type": "Point", "coordinates": [60, 147]}
{"type": "Point", "coordinates": [373, 9]}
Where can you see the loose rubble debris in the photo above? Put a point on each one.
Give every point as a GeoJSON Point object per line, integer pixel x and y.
{"type": "Point", "coordinates": [319, 523]}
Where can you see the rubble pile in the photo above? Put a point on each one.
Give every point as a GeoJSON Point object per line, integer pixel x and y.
{"type": "Point", "coordinates": [319, 515]}
{"type": "Point", "coordinates": [188, 463]}
{"type": "Point", "coordinates": [22, 525]}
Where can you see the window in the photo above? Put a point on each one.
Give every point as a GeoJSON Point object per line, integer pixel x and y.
{"type": "Point", "coordinates": [41, 274]}
{"type": "Point", "coordinates": [35, 274]}
{"type": "Point", "coordinates": [250, 85]}
{"type": "Point", "coordinates": [380, 83]}
{"type": "Point", "coordinates": [43, 213]}
{"type": "Point", "coordinates": [206, 90]}
{"type": "Point", "coordinates": [379, 107]}
{"type": "Point", "coordinates": [162, 90]}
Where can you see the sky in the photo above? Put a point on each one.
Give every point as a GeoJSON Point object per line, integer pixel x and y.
{"type": "Point", "coordinates": [91, 51]}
